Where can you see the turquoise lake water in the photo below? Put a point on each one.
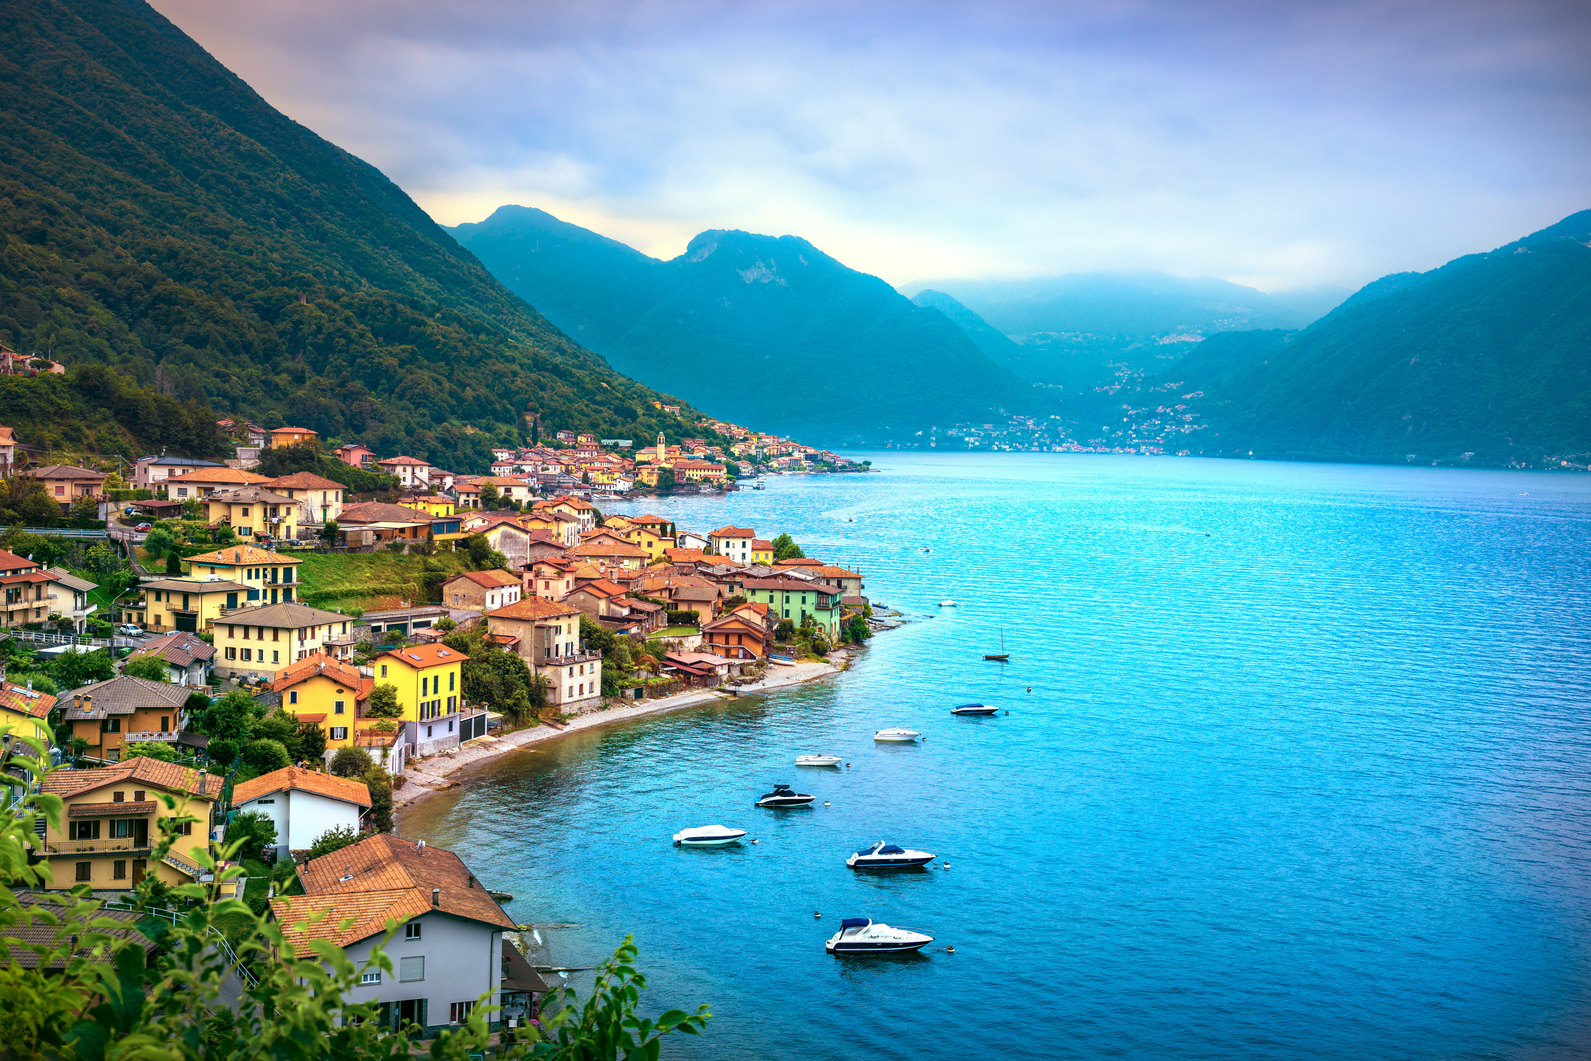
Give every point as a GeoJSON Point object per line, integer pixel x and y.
{"type": "Point", "coordinates": [1304, 772]}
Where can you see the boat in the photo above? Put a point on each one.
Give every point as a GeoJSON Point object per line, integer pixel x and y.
{"type": "Point", "coordinates": [974, 709]}
{"type": "Point", "coordinates": [896, 736]}
{"type": "Point", "coordinates": [859, 935]}
{"type": "Point", "coordinates": [817, 760]}
{"type": "Point", "coordinates": [785, 796]}
{"type": "Point", "coordinates": [888, 856]}
{"type": "Point", "coordinates": [708, 836]}
{"type": "Point", "coordinates": [947, 604]}
{"type": "Point", "coordinates": [1001, 656]}
{"type": "Point", "coordinates": [759, 485]}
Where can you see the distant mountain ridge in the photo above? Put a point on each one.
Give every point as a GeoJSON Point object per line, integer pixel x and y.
{"type": "Point", "coordinates": [763, 328]}
{"type": "Point", "coordinates": [1486, 359]}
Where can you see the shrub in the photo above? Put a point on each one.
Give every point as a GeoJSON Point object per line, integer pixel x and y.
{"type": "Point", "coordinates": [383, 702]}
{"type": "Point", "coordinates": [263, 756]}
{"type": "Point", "coordinates": [351, 762]}
{"type": "Point", "coordinates": [149, 668]}
{"type": "Point", "coordinates": [254, 832]}
{"type": "Point", "coordinates": [331, 840]}
{"type": "Point", "coordinates": [222, 751]}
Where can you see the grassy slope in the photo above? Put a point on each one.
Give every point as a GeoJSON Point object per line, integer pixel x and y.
{"type": "Point", "coordinates": [367, 581]}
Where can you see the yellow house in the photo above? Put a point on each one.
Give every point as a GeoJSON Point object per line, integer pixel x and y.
{"type": "Point", "coordinates": [262, 642]}
{"type": "Point", "coordinates": [428, 679]}
{"type": "Point", "coordinates": [434, 505]}
{"type": "Point", "coordinates": [187, 604]}
{"type": "Point", "coordinates": [326, 692]}
{"type": "Point", "coordinates": [269, 578]}
{"type": "Point", "coordinates": [649, 541]}
{"type": "Point", "coordinates": [109, 825]}
{"type": "Point", "coordinates": [646, 474]}
{"type": "Point", "coordinates": [26, 711]}
{"type": "Point", "coordinates": [254, 512]}
{"type": "Point", "coordinates": [762, 552]}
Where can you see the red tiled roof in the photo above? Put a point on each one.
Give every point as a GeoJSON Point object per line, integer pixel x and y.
{"type": "Point", "coordinates": [152, 772]}
{"type": "Point", "coordinates": [306, 481]}
{"type": "Point", "coordinates": [25, 701]}
{"type": "Point", "coordinates": [533, 608]}
{"type": "Point", "coordinates": [241, 555]}
{"type": "Point", "coordinates": [420, 656]}
{"type": "Point", "coordinates": [291, 778]}
{"type": "Point", "coordinates": [304, 669]}
{"type": "Point", "coordinates": [733, 532]}
{"type": "Point", "coordinates": [489, 579]}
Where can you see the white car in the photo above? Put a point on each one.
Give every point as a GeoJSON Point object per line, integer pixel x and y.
{"type": "Point", "coordinates": [130, 630]}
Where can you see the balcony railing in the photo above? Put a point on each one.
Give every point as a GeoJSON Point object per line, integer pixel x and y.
{"type": "Point", "coordinates": [544, 659]}
{"type": "Point", "coordinates": [88, 847]}
{"type": "Point", "coordinates": [150, 735]}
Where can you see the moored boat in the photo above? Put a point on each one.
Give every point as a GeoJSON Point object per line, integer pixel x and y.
{"type": "Point", "coordinates": [817, 760]}
{"type": "Point", "coordinates": [708, 836]}
{"type": "Point", "coordinates": [973, 709]}
{"type": "Point", "coordinates": [947, 604]}
{"type": "Point", "coordinates": [784, 796]}
{"type": "Point", "coordinates": [896, 736]}
{"type": "Point", "coordinates": [859, 935]}
{"type": "Point", "coordinates": [888, 856]}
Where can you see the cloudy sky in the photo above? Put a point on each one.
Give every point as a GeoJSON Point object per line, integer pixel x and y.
{"type": "Point", "coordinates": [1280, 145]}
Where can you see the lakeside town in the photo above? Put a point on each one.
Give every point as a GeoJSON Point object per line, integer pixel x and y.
{"type": "Point", "coordinates": [226, 675]}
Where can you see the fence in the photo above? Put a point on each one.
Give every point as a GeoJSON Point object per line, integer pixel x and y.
{"type": "Point", "coordinates": [221, 942]}
{"type": "Point", "coordinates": [47, 638]}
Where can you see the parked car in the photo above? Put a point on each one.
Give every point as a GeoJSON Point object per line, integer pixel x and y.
{"type": "Point", "coordinates": [130, 630]}
{"type": "Point", "coordinates": [144, 528]}
{"type": "Point", "coordinates": [129, 511]}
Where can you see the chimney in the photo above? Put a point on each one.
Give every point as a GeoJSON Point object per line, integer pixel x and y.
{"type": "Point", "coordinates": [472, 881]}
{"type": "Point", "coordinates": [88, 701]}
{"type": "Point", "coordinates": [77, 701]}
{"type": "Point", "coordinates": [436, 896]}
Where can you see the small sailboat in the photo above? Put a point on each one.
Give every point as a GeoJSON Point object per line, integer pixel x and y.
{"type": "Point", "coordinates": [1001, 656]}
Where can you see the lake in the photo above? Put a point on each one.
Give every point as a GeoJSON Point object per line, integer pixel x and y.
{"type": "Point", "coordinates": [1297, 765]}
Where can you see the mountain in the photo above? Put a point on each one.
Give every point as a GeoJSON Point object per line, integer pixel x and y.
{"type": "Point", "coordinates": [1486, 359]}
{"type": "Point", "coordinates": [1133, 305]}
{"type": "Point", "coordinates": [159, 217]}
{"type": "Point", "coordinates": [769, 329]}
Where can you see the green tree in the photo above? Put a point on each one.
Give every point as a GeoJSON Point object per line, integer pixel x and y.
{"type": "Point", "coordinates": [222, 751]}
{"type": "Point", "coordinates": [785, 548]}
{"type": "Point", "coordinates": [84, 512]}
{"type": "Point", "coordinates": [784, 631]}
{"type": "Point", "coordinates": [665, 480]}
{"type": "Point", "coordinates": [311, 743]}
{"type": "Point", "coordinates": [380, 786]}
{"type": "Point", "coordinates": [253, 832]}
{"type": "Point", "coordinates": [151, 750]}
{"type": "Point", "coordinates": [328, 533]}
{"type": "Point", "coordinates": [383, 702]}
{"type": "Point", "coordinates": [193, 509]}
{"type": "Point", "coordinates": [351, 762]}
{"type": "Point", "coordinates": [159, 542]}
{"type": "Point", "coordinates": [150, 668]}
{"type": "Point", "coordinates": [174, 563]}
{"type": "Point", "coordinates": [490, 497]}
{"type": "Point", "coordinates": [331, 840]}
{"type": "Point", "coordinates": [284, 729]}
{"type": "Point", "coordinates": [79, 668]}
{"type": "Point", "coordinates": [264, 756]}
{"type": "Point", "coordinates": [232, 717]}
{"type": "Point", "coordinates": [858, 629]}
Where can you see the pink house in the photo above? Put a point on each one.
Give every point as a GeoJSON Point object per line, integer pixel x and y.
{"type": "Point", "coordinates": [355, 455]}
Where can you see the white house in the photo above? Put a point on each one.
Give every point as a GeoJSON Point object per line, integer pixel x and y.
{"type": "Point", "coordinates": [407, 470]}
{"type": "Point", "coordinates": [448, 955]}
{"type": "Point", "coordinates": [733, 542]}
{"type": "Point", "coordinates": [303, 804]}
{"type": "Point", "coordinates": [186, 656]}
{"type": "Point", "coordinates": [690, 540]}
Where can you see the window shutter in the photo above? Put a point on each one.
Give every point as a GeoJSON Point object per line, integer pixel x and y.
{"type": "Point", "coordinates": [412, 968]}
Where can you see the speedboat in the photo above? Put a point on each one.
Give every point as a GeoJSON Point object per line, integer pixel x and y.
{"type": "Point", "coordinates": [817, 760]}
{"type": "Point", "coordinates": [973, 709]}
{"type": "Point", "coordinates": [896, 736]}
{"type": "Point", "coordinates": [888, 856]}
{"type": "Point", "coordinates": [708, 836]}
{"type": "Point", "coordinates": [859, 935]}
{"type": "Point", "coordinates": [784, 796]}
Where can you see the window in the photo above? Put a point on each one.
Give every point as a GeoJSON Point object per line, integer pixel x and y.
{"type": "Point", "coordinates": [383, 670]}
{"type": "Point", "coordinates": [265, 802]}
{"type": "Point", "coordinates": [408, 968]}
{"type": "Point", "coordinates": [275, 656]}
{"type": "Point", "coordinates": [339, 733]}
{"type": "Point", "coordinates": [231, 653]}
{"type": "Point", "coordinates": [231, 631]}
{"type": "Point", "coordinates": [336, 706]}
{"type": "Point", "coordinates": [245, 513]}
{"type": "Point", "coordinates": [83, 830]}
{"type": "Point", "coordinates": [412, 930]}
{"type": "Point", "coordinates": [428, 731]}
{"type": "Point", "coordinates": [248, 655]}
{"type": "Point", "coordinates": [276, 635]}
{"type": "Point", "coordinates": [119, 797]}
{"type": "Point", "coordinates": [121, 829]}
{"type": "Point", "coordinates": [459, 1012]}
{"type": "Point", "coordinates": [292, 698]}
{"type": "Point", "coordinates": [118, 869]}
{"type": "Point", "coordinates": [113, 725]}
{"type": "Point", "coordinates": [138, 794]}
{"type": "Point", "coordinates": [85, 870]}
{"type": "Point", "coordinates": [372, 977]}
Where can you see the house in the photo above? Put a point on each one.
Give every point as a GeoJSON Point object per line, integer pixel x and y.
{"type": "Point", "coordinates": [303, 805]}
{"type": "Point", "coordinates": [429, 680]}
{"type": "Point", "coordinates": [433, 504]}
{"type": "Point", "coordinates": [254, 512]}
{"type": "Point", "coordinates": [609, 549]}
{"type": "Point", "coordinates": [582, 511]}
{"type": "Point", "coordinates": [69, 597]}
{"type": "Point", "coordinates": [691, 540]}
{"type": "Point", "coordinates": [321, 498]}
{"type": "Point", "coordinates": [111, 714]}
{"type": "Point", "coordinates": [546, 635]}
{"type": "Point", "coordinates": [410, 620]}
{"type": "Point", "coordinates": [649, 541]}
{"type": "Point", "coordinates": [202, 482]}
{"type": "Point", "coordinates": [446, 955]}
{"type": "Point", "coordinates": [737, 636]}
{"type": "Point", "coordinates": [698, 471]}
{"type": "Point", "coordinates": [733, 542]}
{"type": "Point", "coordinates": [657, 524]}
{"type": "Point", "coordinates": [544, 546]}
{"type": "Point", "coordinates": [848, 582]}
{"type": "Point", "coordinates": [504, 534]}
{"type": "Point", "coordinates": [508, 487]}
{"type": "Point", "coordinates": [356, 456]}
{"type": "Point", "coordinates": [326, 692]}
{"type": "Point", "coordinates": [409, 472]}
{"type": "Point", "coordinates": [387, 522]}
{"type": "Point", "coordinates": [562, 526]}
{"type": "Point", "coordinates": [762, 552]}
{"type": "Point", "coordinates": [65, 483]}
{"type": "Point", "coordinates": [187, 604]}
{"type": "Point", "coordinates": [261, 642]}
{"type": "Point", "coordinates": [26, 710]}
{"type": "Point", "coordinates": [8, 451]}
{"type": "Point", "coordinates": [186, 657]}
{"type": "Point", "coordinates": [255, 435]}
{"type": "Point", "coordinates": [149, 472]}
{"type": "Point", "coordinates": [468, 495]}
{"type": "Point", "coordinates": [26, 587]}
{"type": "Point", "coordinates": [703, 600]}
{"type": "Point", "coordinates": [294, 436]}
{"type": "Point", "coordinates": [549, 578]}
{"type": "Point", "coordinates": [482, 590]}
{"type": "Point", "coordinates": [794, 600]}
{"type": "Point", "coordinates": [109, 824]}
{"type": "Point", "coordinates": [267, 577]}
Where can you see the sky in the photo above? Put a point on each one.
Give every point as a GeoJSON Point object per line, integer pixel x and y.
{"type": "Point", "coordinates": [1272, 144]}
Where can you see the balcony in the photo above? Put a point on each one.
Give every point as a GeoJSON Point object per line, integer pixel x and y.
{"type": "Point", "coordinates": [544, 659]}
{"type": "Point", "coordinates": [96, 847]}
{"type": "Point", "coordinates": [151, 735]}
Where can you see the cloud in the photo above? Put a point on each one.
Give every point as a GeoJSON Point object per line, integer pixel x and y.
{"type": "Point", "coordinates": [1277, 145]}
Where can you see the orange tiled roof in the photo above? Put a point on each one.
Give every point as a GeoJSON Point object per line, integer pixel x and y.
{"type": "Point", "coordinates": [243, 555]}
{"type": "Point", "coordinates": [305, 669]}
{"type": "Point", "coordinates": [291, 778]}
{"type": "Point", "coordinates": [306, 481]}
{"type": "Point", "coordinates": [221, 475]}
{"type": "Point", "coordinates": [420, 656]}
{"type": "Point", "coordinates": [533, 608]}
{"type": "Point", "coordinates": [152, 772]}
{"type": "Point", "coordinates": [489, 579]}
{"type": "Point", "coordinates": [733, 532]}
{"type": "Point", "coordinates": [25, 701]}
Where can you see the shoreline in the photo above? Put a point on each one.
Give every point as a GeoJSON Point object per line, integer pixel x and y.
{"type": "Point", "coordinates": [434, 774]}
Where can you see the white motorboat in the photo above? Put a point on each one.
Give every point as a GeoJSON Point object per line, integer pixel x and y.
{"type": "Point", "coordinates": [888, 856]}
{"type": "Point", "coordinates": [947, 604]}
{"type": "Point", "coordinates": [973, 709]}
{"type": "Point", "coordinates": [896, 736]}
{"type": "Point", "coordinates": [784, 796]}
{"type": "Point", "coordinates": [818, 760]}
{"type": "Point", "coordinates": [859, 935]}
{"type": "Point", "coordinates": [708, 836]}
{"type": "Point", "coordinates": [759, 485]}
